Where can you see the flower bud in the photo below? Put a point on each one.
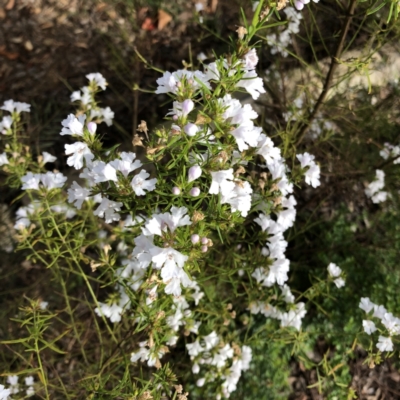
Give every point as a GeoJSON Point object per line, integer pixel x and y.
{"type": "Point", "coordinates": [195, 238]}
{"type": "Point", "coordinates": [204, 249]}
{"type": "Point", "coordinates": [299, 5]}
{"type": "Point", "coordinates": [187, 107]}
{"type": "Point", "coordinates": [92, 127]}
{"type": "Point", "coordinates": [194, 191]}
{"type": "Point", "coordinates": [204, 240]}
{"type": "Point", "coordinates": [190, 129]}
{"type": "Point", "coordinates": [195, 368]}
{"type": "Point", "coordinates": [175, 117]}
{"type": "Point", "coordinates": [200, 382]}
{"type": "Point", "coordinates": [194, 173]}
{"type": "Point", "coordinates": [176, 191]}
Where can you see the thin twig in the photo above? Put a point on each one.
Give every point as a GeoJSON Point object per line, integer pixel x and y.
{"type": "Point", "coordinates": [332, 68]}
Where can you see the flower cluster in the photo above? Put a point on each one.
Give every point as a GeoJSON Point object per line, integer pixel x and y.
{"type": "Point", "coordinates": [207, 180]}
{"type": "Point", "coordinates": [390, 323]}
{"type": "Point", "coordinates": [374, 189]}
{"type": "Point", "coordinates": [336, 273]}
{"type": "Point", "coordinates": [15, 387]}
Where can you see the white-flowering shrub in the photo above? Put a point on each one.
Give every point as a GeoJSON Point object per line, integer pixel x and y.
{"type": "Point", "coordinates": [183, 249]}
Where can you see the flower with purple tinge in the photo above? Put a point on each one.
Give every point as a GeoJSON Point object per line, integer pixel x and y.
{"type": "Point", "coordinates": [176, 191]}
{"type": "Point", "coordinates": [30, 181]}
{"type": "Point", "coordinates": [187, 107]}
{"type": "Point", "coordinates": [72, 125]}
{"type": "Point", "coordinates": [17, 106]}
{"type": "Point", "coordinates": [77, 195]}
{"type": "Point", "coordinates": [299, 5]}
{"type": "Point", "coordinates": [195, 238]}
{"type": "Point", "coordinates": [194, 173]}
{"type": "Point", "coordinates": [250, 59]}
{"type": "Point", "coordinates": [3, 159]}
{"type": "Point", "coordinates": [194, 191]}
{"type": "Point", "coordinates": [53, 180]}
{"type": "Point", "coordinates": [98, 79]}
{"type": "Point", "coordinates": [140, 184]}
{"type": "Point", "coordinates": [92, 127]}
{"type": "Point", "coordinates": [108, 209]}
{"type": "Point", "coordinates": [190, 129]}
{"type": "Point", "coordinates": [78, 151]}
{"type": "Point", "coordinates": [384, 344]}
{"type": "Point", "coordinates": [204, 249]}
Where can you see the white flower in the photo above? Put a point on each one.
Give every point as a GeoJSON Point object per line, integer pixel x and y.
{"type": "Point", "coordinates": [47, 157]}
{"type": "Point", "coordinates": [3, 159]}
{"type": "Point", "coordinates": [222, 182]}
{"type": "Point", "coordinates": [266, 148]}
{"type": "Point", "coordinates": [107, 115]}
{"type": "Point", "coordinates": [194, 348]}
{"type": "Point", "coordinates": [18, 107]}
{"type": "Point", "coordinates": [264, 221]}
{"type": "Point", "coordinates": [211, 340]}
{"type": "Point", "coordinates": [171, 220]}
{"type": "Point", "coordinates": [43, 306]}
{"type": "Point", "coordinates": [108, 209]}
{"type": "Point", "coordinates": [30, 181]}
{"type": "Point", "coordinates": [239, 198]}
{"type": "Point", "coordinates": [29, 381]}
{"type": "Point", "coordinates": [252, 84]}
{"type": "Point", "coordinates": [78, 151]}
{"type": "Point", "coordinates": [98, 79]}
{"type": "Point", "coordinates": [72, 125]}
{"type": "Point", "coordinates": [379, 311]}
{"type": "Point", "coordinates": [4, 393]}
{"type": "Point", "coordinates": [77, 195]}
{"type": "Point", "coordinates": [53, 180]}
{"type": "Point", "coordinates": [5, 124]}
{"type": "Point", "coordinates": [313, 173]}
{"type": "Point", "coordinates": [140, 184]}
{"type": "Point", "coordinates": [334, 270]}
{"type": "Point", "coordinates": [64, 209]}
{"type": "Point", "coordinates": [313, 176]}
{"type": "Point", "coordinates": [384, 344]}
{"type": "Point", "coordinates": [103, 172]}
{"type": "Point", "coordinates": [126, 164]}
{"type": "Point", "coordinates": [30, 391]}
{"type": "Point", "coordinates": [374, 188]}
{"type": "Point", "coordinates": [168, 83]}
{"type": "Point", "coordinates": [366, 304]}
